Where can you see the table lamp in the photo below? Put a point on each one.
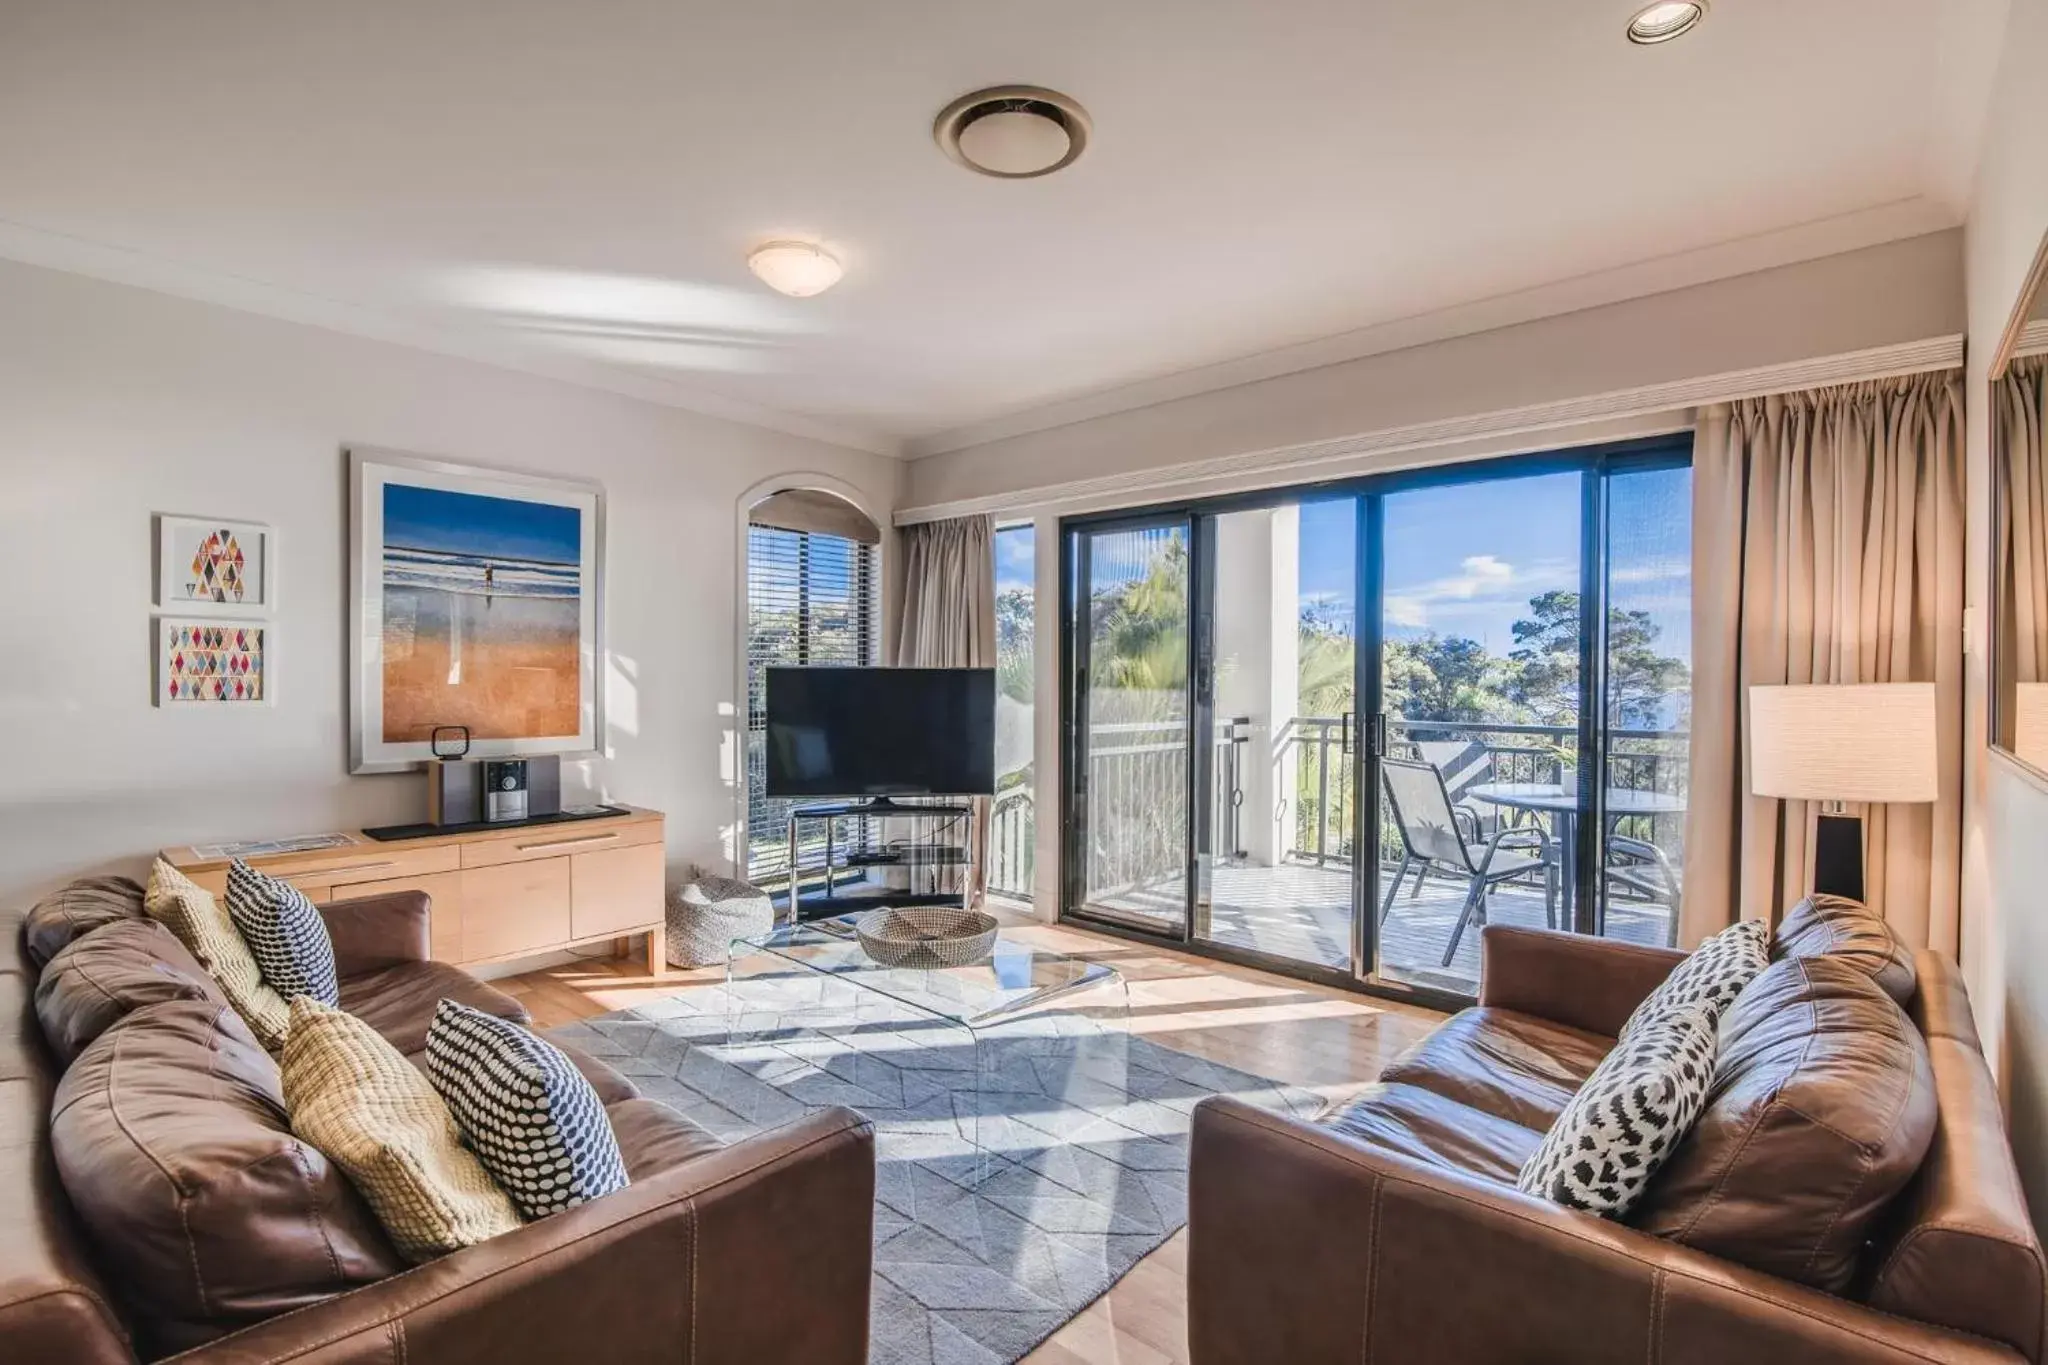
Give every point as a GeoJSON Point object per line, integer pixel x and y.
{"type": "Point", "coordinates": [1869, 743]}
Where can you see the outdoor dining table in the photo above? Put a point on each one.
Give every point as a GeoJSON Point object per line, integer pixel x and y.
{"type": "Point", "coordinates": [1550, 798]}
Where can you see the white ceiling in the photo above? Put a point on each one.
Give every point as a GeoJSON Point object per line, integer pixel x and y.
{"type": "Point", "coordinates": [572, 186]}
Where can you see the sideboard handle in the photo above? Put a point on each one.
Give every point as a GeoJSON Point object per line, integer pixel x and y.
{"type": "Point", "coordinates": [551, 846]}
{"type": "Point", "coordinates": [346, 867]}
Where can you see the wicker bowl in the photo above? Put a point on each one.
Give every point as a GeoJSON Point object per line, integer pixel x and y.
{"type": "Point", "coordinates": [926, 936]}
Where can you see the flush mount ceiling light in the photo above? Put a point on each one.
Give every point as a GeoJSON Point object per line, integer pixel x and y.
{"type": "Point", "coordinates": [798, 269]}
{"type": "Point", "coordinates": [1012, 132]}
{"type": "Point", "coordinates": [1660, 23]}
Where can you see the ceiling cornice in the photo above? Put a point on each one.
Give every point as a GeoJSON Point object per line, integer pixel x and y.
{"type": "Point", "coordinates": [1867, 227]}
{"type": "Point", "coordinates": [120, 265]}
{"type": "Point", "coordinates": [1301, 463]}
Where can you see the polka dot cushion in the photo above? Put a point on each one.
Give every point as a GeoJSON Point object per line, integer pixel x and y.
{"type": "Point", "coordinates": [285, 934]}
{"type": "Point", "coordinates": [1711, 976]}
{"type": "Point", "coordinates": [525, 1110]}
{"type": "Point", "coordinates": [1622, 1125]}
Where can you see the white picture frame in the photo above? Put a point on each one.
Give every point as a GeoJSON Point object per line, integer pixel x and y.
{"type": "Point", "coordinates": [207, 662]}
{"type": "Point", "coordinates": [196, 576]}
{"type": "Point", "coordinates": [440, 601]}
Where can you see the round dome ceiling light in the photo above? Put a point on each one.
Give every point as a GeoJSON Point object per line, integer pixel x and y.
{"type": "Point", "coordinates": [798, 269]}
{"type": "Point", "coordinates": [1662, 22]}
{"type": "Point", "coordinates": [1012, 132]}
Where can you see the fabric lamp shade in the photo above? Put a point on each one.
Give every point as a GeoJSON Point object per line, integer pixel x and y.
{"type": "Point", "coordinates": [1863, 742]}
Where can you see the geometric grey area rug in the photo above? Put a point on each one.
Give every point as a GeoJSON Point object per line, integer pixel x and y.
{"type": "Point", "coordinates": [982, 1248]}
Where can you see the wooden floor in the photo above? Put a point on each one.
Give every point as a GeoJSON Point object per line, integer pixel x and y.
{"type": "Point", "coordinates": [1330, 1041]}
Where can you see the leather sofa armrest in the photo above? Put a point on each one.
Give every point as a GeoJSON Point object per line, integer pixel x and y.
{"type": "Point", "coordinates": [379, 931]}
{"type": "Point", "coordinates": [1317, 1249]}
{"type": "Point", "coordinates": [760, 1251]}
{"type": "Point", "coordinates": [1573, 979]}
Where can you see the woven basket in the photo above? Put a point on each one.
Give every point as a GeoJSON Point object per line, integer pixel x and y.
{"type": "Point", "coordinates": [707, 914]}
{"type": "Point", "coordinates": [927, 936]}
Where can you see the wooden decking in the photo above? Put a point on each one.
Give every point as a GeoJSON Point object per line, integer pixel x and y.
{"type": "Point", "coordinates": [1302, 912]}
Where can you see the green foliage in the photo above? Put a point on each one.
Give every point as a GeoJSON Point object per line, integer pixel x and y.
{"type": "Point", "coordinates": [1140, 628]}
{"type": "Point", "coordinates": [1015, 676]}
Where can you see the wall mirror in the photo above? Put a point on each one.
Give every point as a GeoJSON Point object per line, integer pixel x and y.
{"type": "Point", "coordinates": [2019, 523]}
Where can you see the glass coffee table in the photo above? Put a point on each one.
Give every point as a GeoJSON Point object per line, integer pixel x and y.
{"type": "Point", "coordinates": [963, 1006]}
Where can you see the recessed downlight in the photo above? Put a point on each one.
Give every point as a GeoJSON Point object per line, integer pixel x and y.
{"type": "Point", "coordinates": [1012, 132]}
{"type": "Point", "coordinates": [1660, 23]}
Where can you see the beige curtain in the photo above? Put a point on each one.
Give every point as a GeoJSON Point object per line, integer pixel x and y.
{"type": "Point", "coordinates": [949, 615]}
{"type": "Point", "coordinates": [1827, 548]}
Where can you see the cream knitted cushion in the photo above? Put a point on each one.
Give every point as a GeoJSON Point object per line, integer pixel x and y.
{"type": "Point", "coordinates": [191, 912]}
{"type": "Point", "coordinates": [352, 1095]}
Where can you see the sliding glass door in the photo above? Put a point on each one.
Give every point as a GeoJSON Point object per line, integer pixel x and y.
{"type": "Point", "coordinates": [1129, 716]}
{"type": "Point", "coordinates": [1338, 731]}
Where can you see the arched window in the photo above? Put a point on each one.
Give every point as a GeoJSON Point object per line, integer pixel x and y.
{"type": "Point", "coordinates": [813, 597]}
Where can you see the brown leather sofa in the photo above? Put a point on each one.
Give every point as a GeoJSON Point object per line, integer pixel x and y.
{"type": "Point", "coordinates": [1392, 1230]}
{"type": "Point", "coordinates": [720, 1255]}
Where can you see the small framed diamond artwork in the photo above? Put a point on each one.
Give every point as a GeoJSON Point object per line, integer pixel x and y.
{"type": "Point", "coordinates": [212, 662]}
{"type": "Point", "coordinates": [210, 567]}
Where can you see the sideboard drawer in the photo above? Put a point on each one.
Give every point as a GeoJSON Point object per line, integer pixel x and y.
{"type": "Point", "coordinates": [443, 889]}
{"type": "Point", "coordinates": [319, 874]}
{"type": "Point", "coordinates": [616, 889]}
{"type": "Point", "coordinates": [514, 908]}
{"type": "Point", "coordinates": [561, 841]}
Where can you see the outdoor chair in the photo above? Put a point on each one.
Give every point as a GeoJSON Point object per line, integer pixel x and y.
{"type": "Point", "coordinates": [1433, 840]}
{"type": "Point", "coordinates": [1640, 867]}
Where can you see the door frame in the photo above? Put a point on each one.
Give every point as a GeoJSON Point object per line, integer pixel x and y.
{"type": "Point", "coordinates": [1594, 463]}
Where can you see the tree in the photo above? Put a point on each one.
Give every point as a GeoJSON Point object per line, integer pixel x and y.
{"type": "Point", "coordinates": [1015, 608]}
{"type": "Point", "coordinates": [1639, 679]}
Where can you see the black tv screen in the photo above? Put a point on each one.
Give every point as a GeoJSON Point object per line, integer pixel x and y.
{"type": "Point", "coordinates": [846, 732]}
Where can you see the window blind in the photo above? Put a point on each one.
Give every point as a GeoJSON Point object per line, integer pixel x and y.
{"type": "Point", "coordinates": [812, 599]}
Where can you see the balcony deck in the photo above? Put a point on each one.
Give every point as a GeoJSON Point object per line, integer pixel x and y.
{"type": "Point", "coordinates": [1302, 912]}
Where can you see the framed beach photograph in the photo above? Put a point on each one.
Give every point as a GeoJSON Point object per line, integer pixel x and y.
{"type": "Point", "coordinates": [212, 663]}
{"type": "Point", "coordinates": [476, 600]}
{"type": "Point", "coordinates": [207, 566]}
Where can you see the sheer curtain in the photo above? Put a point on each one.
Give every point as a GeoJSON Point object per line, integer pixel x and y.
{"type": "Point", "coordinates": [1827, 548]}
{"type": "Point", "coordinates": [949, 615]}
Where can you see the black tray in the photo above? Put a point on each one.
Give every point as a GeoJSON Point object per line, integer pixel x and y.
{"type": "Point", "coordinates": [387, 833]}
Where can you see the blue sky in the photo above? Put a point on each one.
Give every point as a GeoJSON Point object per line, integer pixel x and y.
{"type": "Point", "coordinates": [418, 518]}
{"type": "Point", "coordinates": [1013, 558]}
{"type": "Point", "coordinates": [1464, 560]}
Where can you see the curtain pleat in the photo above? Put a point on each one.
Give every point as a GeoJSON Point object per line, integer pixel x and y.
{"type": "Point", "coordinates": [949, 615]}
{"type": "Point", "coordinates": [1827, 548]}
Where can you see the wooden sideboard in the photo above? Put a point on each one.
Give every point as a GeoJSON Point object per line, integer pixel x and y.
{"type": "Point", "coordinates": [497, 893]}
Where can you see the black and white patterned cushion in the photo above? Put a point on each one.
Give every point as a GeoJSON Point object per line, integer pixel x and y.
{"type": "Point", "coordinates": [525, 1110]}
{"type": "Point", "coordinates": [1712, 974]}
{"type": "Point", "coordinates": [285, 934]}
{"type": "Point", "coordinates": [1637, 1106]}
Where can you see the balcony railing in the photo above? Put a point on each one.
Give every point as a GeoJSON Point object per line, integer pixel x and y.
{"type": "Point", "coordinates": [1137, 791]}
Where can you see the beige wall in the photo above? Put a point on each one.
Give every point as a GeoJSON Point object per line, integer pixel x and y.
{"type": "Point", "coordinates": [1900, 292]}
{"type": "Point", "coordinates": [116, 403]}
{"type": "Point", "coordinates": [2005, 891]}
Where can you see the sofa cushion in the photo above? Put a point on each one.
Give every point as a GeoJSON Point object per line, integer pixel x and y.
{"type": "Point", "coordinates": [284, 933]}
{"type": "Point", "coordinates": [75, 911]}
{"type": "Point", "coordinates": [1837, 927]}
{"type": "Point", "coordinates": [524, 1108]}
{"type": "Point", "coordinates": [191, 912]}
{"type": "Point", "coordinates": [355, 1098]}
{"type": "Point", "coordinates": [170, 1136]}
{"type": "Point", "coordinates": [1426, 1127]}
{"type": "Point", "coordinates": [1712, 974]}
{"type": "Point", "coordinates": [1511, 1065]}
{"type": "Point", "coordinates": [111, 972]}
{"type": "Point", "coordinates": [1628, 1117]}
{"type": "Point", "coordinates": [399, 1000]}
{"type": "Point", "coordinates": [654, 1138]}
{"type": "Point", "coordinates": [1821, 1111]}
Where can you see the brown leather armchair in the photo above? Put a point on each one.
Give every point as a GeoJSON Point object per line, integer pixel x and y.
{"type": "Point", "coordinates": [1392, 1231]}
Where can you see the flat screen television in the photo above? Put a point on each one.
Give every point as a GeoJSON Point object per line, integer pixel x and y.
{"type": "Point", "coordinates": [850, 732]}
